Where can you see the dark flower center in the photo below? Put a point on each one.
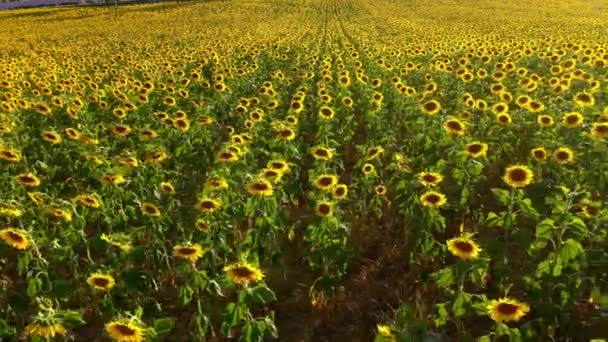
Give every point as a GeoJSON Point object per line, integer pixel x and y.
{"type": "Point", "coordinates": [187, 251]}
{"type": "Point", "coordinates": [431, 106]}
{"type": "Point", "coordinates": [454, 126]}
{"type": "Point", "coordinates": [259, 187]}
{"type": "Point", "coordinates": [50, 136]}
{"type": "Point", "coordinates": [464, 246]}
{"type": "Point", "coordinates": [286, 133]}
{"type": "Point", "coordinates": [539, 154]}
{"type": "Point", "coordinates": [326, 112]}
{"type": "Point", "coordinates": [225, 155]}
{"type": "Point", "coordinates": [325, 181]}
{"type": "Point", "coordinates": [518, 175]}
{"type": "Point", "coordinates": [572, 119]}
{"type": "Point", "coordinates": [207, 205]}
{"type": "Point", "coordinates": [429, 178]}
{"type": "Point", "coordinates": [545, 120]}
{"type": "Point", "coordinates": [340, 191]}
{"type": "Point", "coordinates": [562, 155]}
{"type": "Point", "coordinates": [277, 165]}
{"type": "Point", "coordinates": [372, 152]}
{"type": "Point", "coordinates": [124, 330]}
{"type": "Point", "coordinates": [243, 272]}
{"type": "Point", "coordinates": [150, 209]}
{"type": "Point", "coordinates": [15, 237]}
{"type": "Point", "coordinates": [475, 148]}
{"type": "Point", "coordinates": [503, 118]}
{"type": "Point", "coordinates": [324, 209]}
{"type": "Point", "coordinates": [601, 129]}
{"type": "Point", "coordinates": [101, 282]}
{"type": "Point", "coordinates": [507, 309]}
{"type": "Point", "coordinates": [296, 105]}
{"type": "Point", "coordinates": [584, 98]}
{"type": "Point", "coordinates": [321, 153]}
{"type": "Point", "coordinates": [27, 179]}
{"type": "Point", "coordinates": [432, 198]}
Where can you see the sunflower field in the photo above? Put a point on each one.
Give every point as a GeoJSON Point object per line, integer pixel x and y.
{"type": "Point", "coordinates": [348, 170]}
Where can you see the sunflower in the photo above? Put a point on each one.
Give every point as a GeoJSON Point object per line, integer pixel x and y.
{"type": "Point", "coordinates": [385, 332]}
{"type": "Point", "coordinates": [10, 211]}
{"type": "Point", "coordinates": [368, 169]}
{"type": "Point", "coordinates": [120, 240]}
{"type": "Point", "coordinates": [544, 120]}
{"type": "Point", "coordinates": [518, 176]}
{"type": "Point", "coordinates": [16, 238]}
{"type": "Point", "coordinates": [374, 152]}
{"type": "Point", "coordinates": [148, 134]}
{"type": "Point", "coordinates": [278, 165]}
{"type": "Point", "coordinates": [189, 252]}
{"type": "Point", "coordinates": [507, 309]}
{"type": "Point", "coordinates": [260, 187]}
{"type": "Point", "coordinates": [599, 130]}
{"type": "Point", "coordinates": [205, 120]}
{"type": "Point", "coordinates": [59, 214]}
{"type": "Point", "coordinates": [431, 108]}
{"type": "Point", "coordinates": [291, 120]}
{"type": "Point", "coordinates": [454, 127]}
{"type": "Point", "coordinates": [227, 156]}
{"type": "Point", "coordinates": [182, 124]}
{"type": "Point", "coordinates": [112, 179]}
{"type": "Point", "coordinates": [201, 225]}
{"type": "Point", "coordinates": [500, 107]}
{"type": "Point", "coordinates": [539, 153]}
{"type": "Point", "coordinates": [243, 273]}
{"type": "Point", "coordinates": [476, 149]}
{"type": "Point", "coordinates": [433, 199]}
{"type": "Point", "coordinates": [503, 118]}
{"type": "Point", "coordinates": [87, 200]}
{"type": "Point", "coordinates": [324, 208]}
{"type": "Point", "coordinates": [340, 191]}
{"type": "Point", "coordinates": [150, 209]}
{"type": "Point", "coordinates": [321, 153]}
{"type": "Point", "coordinates": [326, 113]}
{"type": "Point", "coordinates": [167, 188]}
{"type": "Point", "coordinates": [10, 155]}
{"type": "Point", "coordinates": [121, 130]}
{"type": "Point", "coordinates": [572, 119]}
{"type": "Point", "coordinates": [51, 137]}
{"type": "Point", "coordinates": [128, 161]}
{"type": "Point", "coordinates": [429, 179]}
{"type": "Point", "coordinates": [125, 331]}
{"type": "Point", "coordinates": [583, 99]}
{"type": "Point", "coordinates": [286, 134]}
{"type": "Point", "coordinates": [326, 182]}
{"type": "Point", "coordinates": [157, 156]}
{"type": "Point", "coordinates": [380, 190]}
{"type": "Point", "coordinates": [564, 155]}
{"type": "Point", "coordinates": [28, 179]}
{"type": "Point", "coordinates": [216, 184]}
{"type": "Point", "coordinates": [72, 133]}
{"type": "Point", "coordinates": [101, 281]}
{"type": "Point", "coordinates": [463, 247]}
{"type": "Point", "coordinates": [45, 330]}
{"type": "Point", "coordinates": [208, 205]}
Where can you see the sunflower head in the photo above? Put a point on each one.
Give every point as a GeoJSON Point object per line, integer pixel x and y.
{"type": "Point", "coordinates": [28, 179]}
{"type": "Point", "coordinates": [599, 130]}
{"type": "Point", "coordinates": [507, 309]}
{"type": "Point", "coordinates": [321, 153]}
{"type": "Point", "coordinates": [189, 252]}
{"type": "Point", "coordinates": [518, 176]}
{"type": "Point", "coordinates": [368, 169]}
{"type": "Point", "coordinates": [430, 178]}
{"type": "Point", "coordinates": [476, 149]}
{"type": "Point", "coordinates": [45, 330]}
{"type": "Point", "coordinates": [324, 209]}
{"type": "Point", "coordinates": [101, 281]}
{"type": "Point", "coordinates": [125, 330]}
{"type": "Point", "coordinates": [16, 238]}
{"type": "Point", "coordinates": [216, 184]}
{"type": "Point", "coordinates": [208, 205]}
{"type": "Point", "coordinates": [433, 199]}
{"type": "Point", "coordinates": [243, 273]}
{"type": "Point", "coordinates": [564, 155]}
{"type": "Point", "coordinates": [545, 120]}
{"type": "Point", "coordinates": [340, 191]}
{"type": "Point", "coordinates": [150, 209]}
{"type": "Point", "coordinates": [573, 119]}
{"type": "Point", "coordinates": [326, 182]}
{"type": "Point", "coordinates": [260, 187]}
{"type": "Point", "coordinates": [463, 247]}
{"type": "Point", "coordinates": [454, 127]}
{"type": "Point", "coordinates": [431, 107]}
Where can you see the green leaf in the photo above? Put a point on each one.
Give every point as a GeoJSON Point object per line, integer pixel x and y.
{"type": "Point", "coordinates": [570, 250]}
{"type": "Point", "coordinates": [544, 267]}
{"type": "Point", "coordinates": [503, 196]}
{"type": "Point", "coordinates": [544, 229]}
{"type": "Point", "coordinates": [262, 294]}
{"type": "Point", "coordinates": [578, 226]}
{"type": "Point", "coordinates": [163, 326]}
{"type": "Point", "coordinates": [443, 315]}
{"type": "Point", "coordinates": [528, 209]}
{"type": "Point", "coordinates": [444, 278]}
{"type": "Point", "coordinates": [460, 304]}
{"type": "Point", "coordinates": [557, 268]}
{"type": "Point", "coordinates": [485, 338]}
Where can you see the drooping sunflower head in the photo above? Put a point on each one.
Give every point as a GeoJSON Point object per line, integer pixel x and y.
{"type": "Point", "coordinates": [463, 247]}
{"type": "Point", "coordinates": [16, 238]}
{"type": "Point", "coordinates": [208, 205]}
{"type": "Point", "coordinates": [243, 273]}
{"type": "Point", "coordinates": [157, 156]}
{"type": "Point", "coordinates": [88, 200]}
{"type": "Point", "coordinates": [125, 330]}
{"type": "Point", "coordinates": [433, 199]}
{"type": "Point", "coordinates": [101, 281]}
{"type": "Point", "coordinates": [148, 134]}
{"type": "Point", "coordinates": [430, 178]}
{"type": "Point", "coordinates": [599, 130]}
{"type": "Point", "coordinates": [260, 187]}
{"type": "Point", "coordinates": [72, 133]}
{"type": "Point", "coordinates": [564, 155]}
{"type": "Point", "coordinates": [518, 176]}
{"type": "Point", "coordinates": [326, 182]}
{"type": "Point", "coordinates": [507, 309]}
{"type": "Point", "coordinates": [189, 252]}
